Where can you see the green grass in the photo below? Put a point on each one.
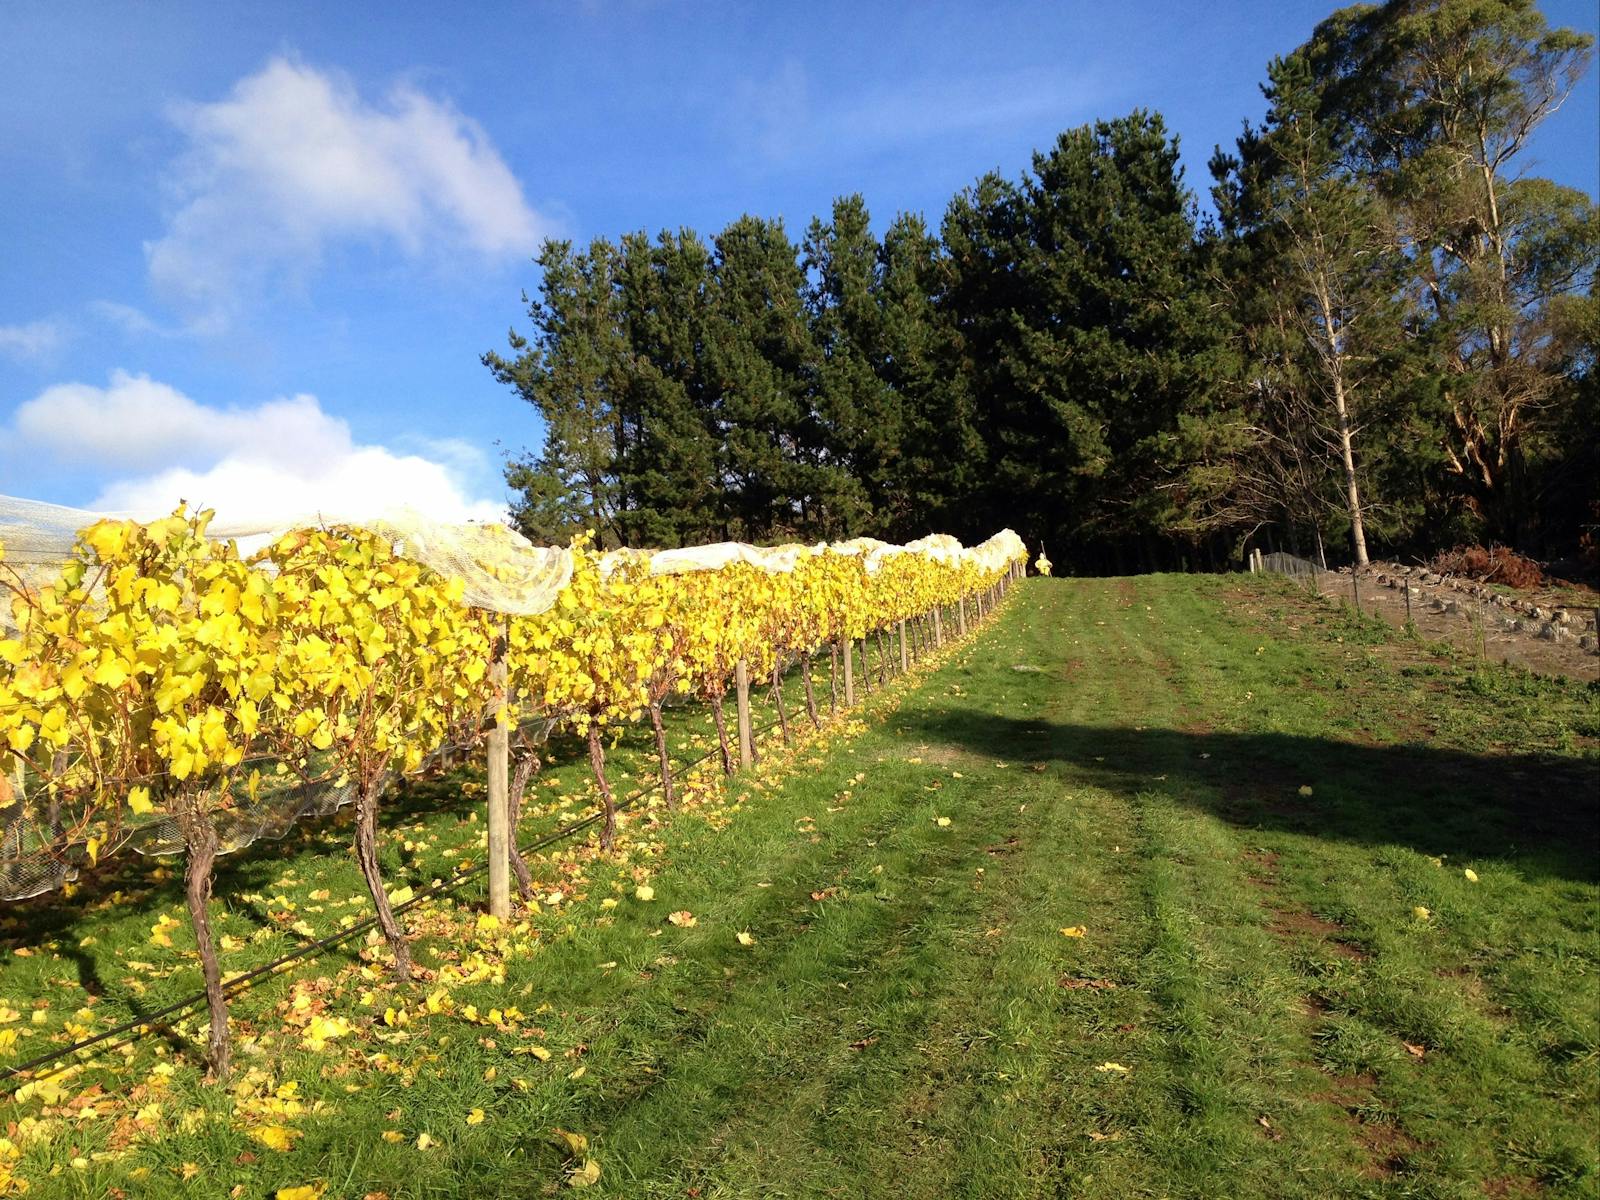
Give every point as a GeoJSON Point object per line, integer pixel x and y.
{"type": "Point", "coordinates": [910, 1020]}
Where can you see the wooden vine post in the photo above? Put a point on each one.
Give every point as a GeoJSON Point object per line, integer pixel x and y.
{"type": "Point", "coordinates": [849, 649]}
{"type": "Point", "coordinates": [905, 655]}
{"type": "Point", "coordinates": [961, 616]}
{"type": "Point", "coordinates": [938, 625]}
{"type": "Point", "coordinates": [499, 750]}
{"type": "Point", "coordinates": [741, 683]}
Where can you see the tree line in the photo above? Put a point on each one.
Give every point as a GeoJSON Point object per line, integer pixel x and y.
{"type": "Point", "coordinates": [1382, 338]}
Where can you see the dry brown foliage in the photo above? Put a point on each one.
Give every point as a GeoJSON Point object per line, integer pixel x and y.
{"type": "Point", "coordinates": [1494, 564]}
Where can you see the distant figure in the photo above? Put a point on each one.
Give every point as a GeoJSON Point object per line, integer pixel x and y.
{"type": "Point", "coordinates": [1041, 564]}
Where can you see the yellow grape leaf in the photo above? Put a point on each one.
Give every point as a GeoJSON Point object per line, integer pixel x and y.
{"type": "Point", "coordinates": [942, 822]}
{"type": "Point", "coordinates": [586, 1175]}
{"type": "Point", "coordinates": [424, 1141]}
{"type": "Point", "coordinates": [488, 923]}
{"type": "Point", "coordinates": [577, 1145]}
{"type": "Point", "coordinates": [1305, 789]}
{"type": "Point", "coordinates": [1074, 931]}
{"type": "Point", "coordinates": [644, 892]}
{"type": "Point", "coordinates": [744, 938]}
{"type": "Point", "coordinates": [1421, 913]}
{"type": "Point", "coordinates": [400, 895]}
{"type": "Point", "coordinates": [139, 800]}
{"type": "Point", "coordinates": [322, 1030]}
{"type": "Point", "coordinates": [1471, 875]}
{"type": "Point", "coordinates": [475, 1117]}
{"type": "Point", "coordinates": [393, 1135]}
{"type": "Point", "coordinates": [1112, 1068]}
{"type": "Point", "coordinates": [275, 1137]}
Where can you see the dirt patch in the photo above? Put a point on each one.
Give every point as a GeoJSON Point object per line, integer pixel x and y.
{"type": "Point", "coordinates": [1292, 924]}
{"type": "Point", "coordinates": [1530, 630]}
{"type": "Point", "coordinates": [1510, 1187]}
{"type": "Point", "coordinates": [1388, 1148]}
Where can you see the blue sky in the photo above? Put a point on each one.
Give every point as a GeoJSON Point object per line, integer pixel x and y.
{"type": "Point", "coordinates": [252, 253]}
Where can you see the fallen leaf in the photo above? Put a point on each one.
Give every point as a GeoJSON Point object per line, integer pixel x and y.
{"type": "Point", "coordinates": [475, 1117]}
{"type": "Point", "coordinates": [644, 892]}
{"type": "Point", "coordinates": [1074, 931]}
{"type": "Point", "coordinates": [1421, 913]}
{"type": "Point", "coordinates": [1414, 1050]}
{"type": "Point", "coordinates": [1112, 1068]}
{"type": "Point", "coordinates": [275, 1137]}
{"type": "Point", "coordinates": [586, 1175]}
{"type": "Point", "coordinates": [942, 822]}
{"type": "Point", "coordinates": [306, 1191]}
{"type": "Point", "coordinates": [576, 1143]}
{"type": "Point", "coordinates": [1472, 876]}
{"type": "Point", "coordinates": [744, 938]}
{"type": "Point", "coordinates": [683, 918]}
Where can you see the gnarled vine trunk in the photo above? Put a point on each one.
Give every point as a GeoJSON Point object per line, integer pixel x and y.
{"type": "Point", "coordinates": [367, 859]}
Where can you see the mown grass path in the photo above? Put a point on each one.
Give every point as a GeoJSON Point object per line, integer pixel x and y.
{"type": "Point", "coordinates": [1255, 1006]}
{"type": "Point", "coordinates": [1127, 755]}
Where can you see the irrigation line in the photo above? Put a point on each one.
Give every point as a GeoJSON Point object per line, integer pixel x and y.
{"type": "Point", "coordinates": [240, 983]}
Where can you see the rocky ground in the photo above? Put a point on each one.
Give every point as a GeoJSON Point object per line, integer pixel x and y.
{"type": "Point", "coordinates": [1549, 630]}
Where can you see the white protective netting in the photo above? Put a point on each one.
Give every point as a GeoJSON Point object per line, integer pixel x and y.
{"type": "Point", "coordinates": [499, 569]}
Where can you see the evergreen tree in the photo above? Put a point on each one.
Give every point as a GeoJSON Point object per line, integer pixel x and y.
{"type": "Point", "coordinates": [571, 371]}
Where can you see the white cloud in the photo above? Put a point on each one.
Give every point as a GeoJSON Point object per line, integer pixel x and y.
{"type": "Point", "coordinates": [135, 323]}
{"type": "Point", "coordinates": [33, 340]}
{"type": "Point", "coordinates": [293, 160]}
{"type": "Point", "coordinates": [269, 464]}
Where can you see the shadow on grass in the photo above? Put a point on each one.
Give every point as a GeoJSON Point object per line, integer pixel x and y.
{"type": "Point", "coordinates": [1542, 811]}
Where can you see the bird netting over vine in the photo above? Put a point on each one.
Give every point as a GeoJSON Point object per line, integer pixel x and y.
{"type": "Point", "coordinates": [232, 580]}
{"type": "Point", "coordinates": [499, 569]}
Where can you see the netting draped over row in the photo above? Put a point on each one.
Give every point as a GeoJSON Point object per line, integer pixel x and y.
{"type": "Point", "coordinates": [490, 569]}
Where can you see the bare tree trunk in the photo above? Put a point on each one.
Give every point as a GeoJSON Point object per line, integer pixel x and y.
{"type": "Point", "coordinates": [1352, 494]}
{"type": "Point", "coordinates": [597, 763]}
{"type": "Point", "coordinates": [722, 735]}
{"type": "Point", "coordinates": [527, 766]}
{"type": "Point", "coordinates": [777, 698]}
{"type": "Point", "coordinates": [367, 858]}
{"type": "Point", "coordinates": [811, 699]}
{"type": "Point", "coordinates": [662, 755]}
{"type": "Point", "coordinates": [200, 843]}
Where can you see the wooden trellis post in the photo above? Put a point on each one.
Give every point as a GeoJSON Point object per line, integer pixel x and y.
{"type": "Point", "coordinates": [849, 649]}
{"type": "Point", "coordinates": [938, 625]}
{"type": "Point", "coordinates": [741, 683]}
{"type": "Point", "coordinates": [905, 654]}
{"type": "Point", "coordinates": [499, 751]}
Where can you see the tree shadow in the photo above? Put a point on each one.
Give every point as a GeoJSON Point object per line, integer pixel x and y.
{"type": "Point", "coordinates": [1540, 811]}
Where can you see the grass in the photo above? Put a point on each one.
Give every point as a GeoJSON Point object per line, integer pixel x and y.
{"type": "Point", "coordinates": [1255, 1007]}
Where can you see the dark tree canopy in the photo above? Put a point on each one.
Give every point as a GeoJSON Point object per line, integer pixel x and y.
{"type": "Point", "coordinates": [1384, 336]}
